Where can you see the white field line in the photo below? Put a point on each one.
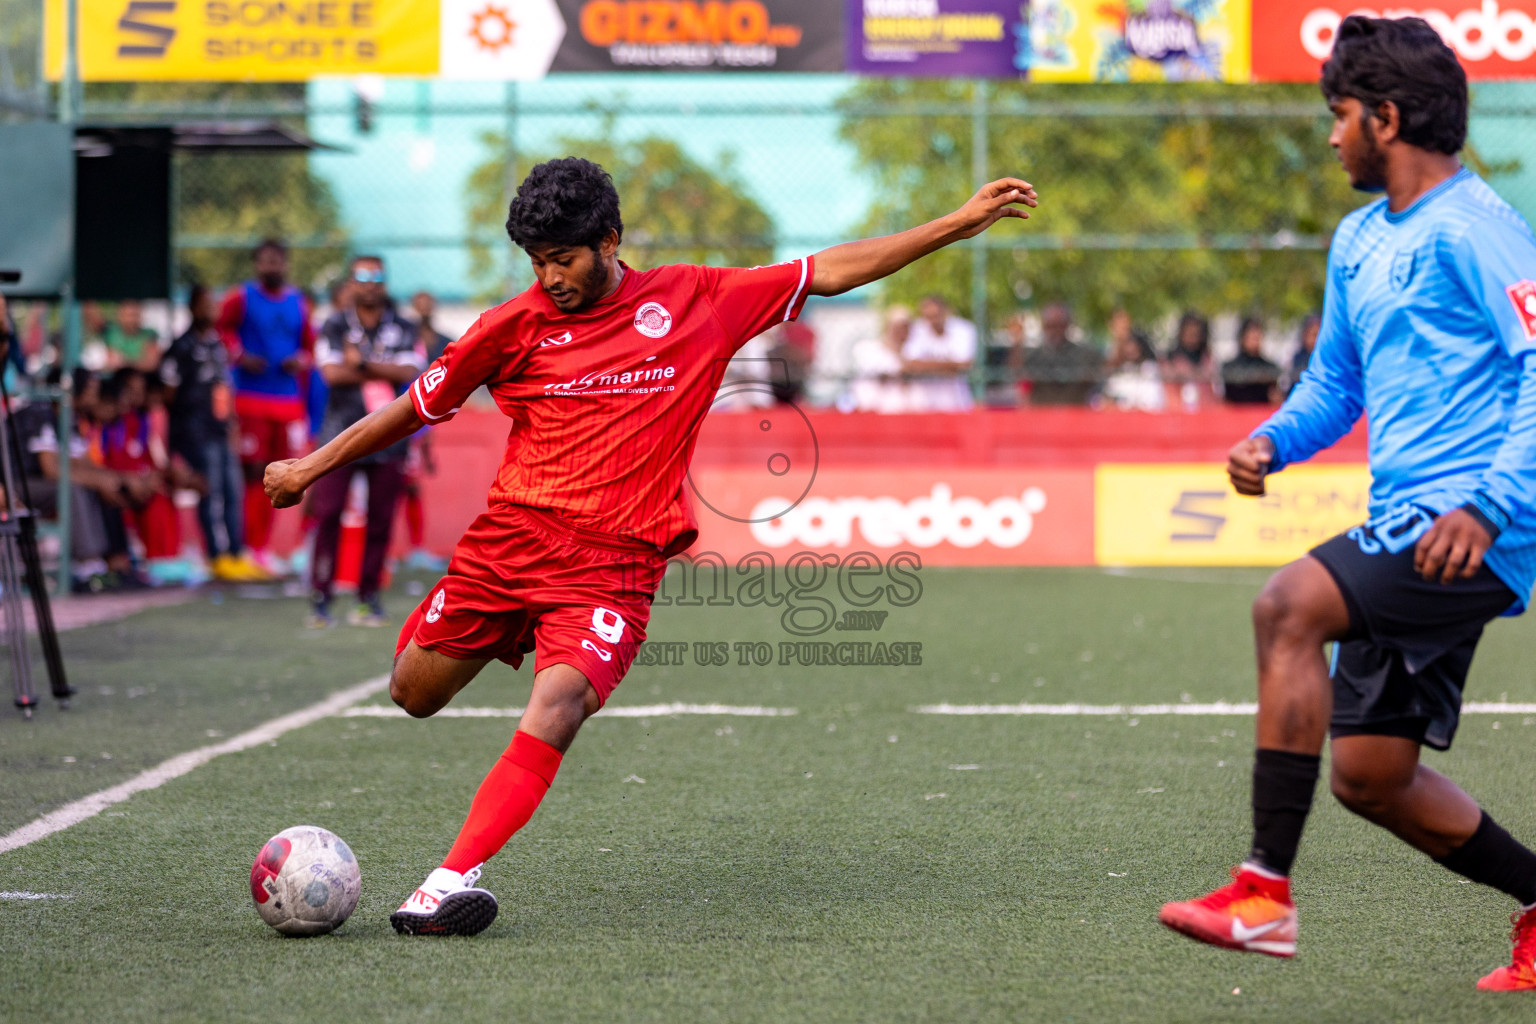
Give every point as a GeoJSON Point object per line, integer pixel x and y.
{"type": "Point", "coordinates": [34, 895]}
{"type": "Point", "coordinates": [1139, 710]}
{"type": "Point", "coordinates": [630, 711]}
{"type": "Point", "coordinates": [1239, 576]}
{"type": "Point", "coordinates": [181, 764]}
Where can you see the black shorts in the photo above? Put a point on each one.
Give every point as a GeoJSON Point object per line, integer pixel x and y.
{"type": "Point", "coordinates": [1401, 669]}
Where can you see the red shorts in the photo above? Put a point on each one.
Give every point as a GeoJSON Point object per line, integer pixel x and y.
{"type": "Point", "coordinates": [522, 579]}
{"type": "Point", "coordinates": [268, 431]}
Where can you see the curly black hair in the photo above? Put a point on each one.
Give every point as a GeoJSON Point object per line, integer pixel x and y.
{"type": "Point", "coordinates": [1405, 61]}
{"type": "Point", "coordinates": [567, 202]}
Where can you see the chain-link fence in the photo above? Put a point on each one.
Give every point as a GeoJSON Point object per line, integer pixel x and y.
{"type": "Point", "coordinates": [1159, 200]}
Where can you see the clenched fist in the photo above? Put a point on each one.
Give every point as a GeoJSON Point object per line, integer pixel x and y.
{"type": "Point", "coordinates": [1248, 463]}
{"type": "Point", "coordinates": [282, 483]}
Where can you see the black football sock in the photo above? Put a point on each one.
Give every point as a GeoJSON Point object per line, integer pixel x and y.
{"type": "Point", "coordinates": [1282, 795]}
{"type": "Point", "coordinates": [1495, 858]}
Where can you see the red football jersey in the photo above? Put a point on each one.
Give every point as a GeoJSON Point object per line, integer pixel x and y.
{"type": "Point", "coordinates": [606, 404]}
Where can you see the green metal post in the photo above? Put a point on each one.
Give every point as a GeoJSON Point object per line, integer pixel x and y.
{"type": "Point", "coordinates": [71, 99]}
{"type": "Point", "coordinates": [980, 136]}
{"type": "Point", "coordinates": [66, 428]}
{"type": "Point", "coordinates": [512, 180]}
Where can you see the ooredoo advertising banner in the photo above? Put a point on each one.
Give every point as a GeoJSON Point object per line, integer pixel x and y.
{"type": "Point", "coordinates": [1493, 38]}
{"type": "Point", "coordinates": [975, 38]}
{"type": "Point", "coordinates": [947, 516]}
{"type": "Point", "coordinates": [1137, 41]}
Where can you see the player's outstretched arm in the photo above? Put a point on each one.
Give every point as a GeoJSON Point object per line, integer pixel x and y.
{"type": "Point", "coordinates": [853, 264]}
{"type": "Point", "coordinates": [286, 482]}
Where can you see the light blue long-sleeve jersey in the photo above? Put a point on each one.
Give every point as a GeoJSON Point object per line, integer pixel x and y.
{"type": "Point", "coordinates": [1429, 328]}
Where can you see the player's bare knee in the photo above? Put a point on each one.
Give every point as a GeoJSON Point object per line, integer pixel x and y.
{"type": "Point", "coordinates": [1281, 614]}
{"type": "Point", "coordinates": [1367, 793]}
{"type": "Point", "coordinates": [416, 701]}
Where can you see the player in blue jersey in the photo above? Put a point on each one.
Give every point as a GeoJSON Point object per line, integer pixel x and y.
{"type": "Point", "coordinates": [266, 326]}
{"type": "Point", "coordinates": [1429, 328]}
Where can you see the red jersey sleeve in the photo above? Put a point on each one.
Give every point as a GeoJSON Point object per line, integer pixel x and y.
{"type": "Point", "coordinates": [475, 359]}
{"type": "Point", "coordinates": [748, 302]}
{"type": "Point", "coordinates": [231, 314]}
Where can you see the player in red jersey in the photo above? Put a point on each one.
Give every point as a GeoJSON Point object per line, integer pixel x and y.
{"type": "Point", "coordinates": [606, 373]}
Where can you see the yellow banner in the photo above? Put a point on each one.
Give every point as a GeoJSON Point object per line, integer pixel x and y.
{"type": "Point", "coordinates": [1188, 514]}
{"type": "Point", "coordinates": [1139, 41]}
{"type": "Point", "coordinates": [245, 40]}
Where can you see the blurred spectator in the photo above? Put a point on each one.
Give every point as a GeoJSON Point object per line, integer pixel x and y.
{"type": "Point", "coordinates": [98, 540]}
{"type": "Point", "coordinates": [432, 341]}
{"type": "Point", "coordinates": [368, 355]}
{"type": "Point", "coordinates": [1250, 379]}
{"type": "Point", "coordinates": [93, 329]}
{"type": "Point", "coordinates": [1060, 371]}
{"type": "Point", "coordinates": [202, 405]}
{"type": "Point", "coordinates": [340, 294]}
{"type": "Point", "coordinates": [1187, 367]}
{"type": "Point", "coordinates": [15, 361]}
{"type": "Point", "coordinates": [36, 348]}
{"type": "Point", "coordinates": [130, 448]}
{"type": "Point", "coordinates": [937, 358]}
{"type": "Point", "coordinates": [1123, 333]}
{"type": "Point", "coordinates": [1005, 364]}
{"type": "Point", "coordinates": [748, 377]}
{"type": "Point", "coordinates": [877, 385]}
{"type": "Point", "coordinates": [791, 349]}
{"type": "Point", "coordinates": [1134, 379]}
{"type": "Point", "coordinates": [265, 325]}
{"type": "Point", "coordinates": [130, 343]}
{"type": "Point", "coordinates": [1302, 357]}
{"type": "Point", "coordinates": [420, 464]}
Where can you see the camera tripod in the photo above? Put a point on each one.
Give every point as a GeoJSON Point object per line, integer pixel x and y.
{"type": "Point", "coordinates": [21, 564]}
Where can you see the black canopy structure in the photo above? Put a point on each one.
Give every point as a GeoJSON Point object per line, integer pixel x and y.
{"type": "Point", "coordinates": [123, 207]}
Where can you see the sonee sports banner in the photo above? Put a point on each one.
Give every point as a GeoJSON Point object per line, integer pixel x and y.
{"type": "Point", "coordinates": [245, 40]}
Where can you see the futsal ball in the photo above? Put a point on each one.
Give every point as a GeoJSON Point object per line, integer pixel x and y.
{"type": "Point", "coordinates": [305, 881]}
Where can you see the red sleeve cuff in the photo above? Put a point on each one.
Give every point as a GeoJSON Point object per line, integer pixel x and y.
{"type": "Point", "coordinates": [418, 401]}
{"type": "Point", "coordinates": [807, 267]}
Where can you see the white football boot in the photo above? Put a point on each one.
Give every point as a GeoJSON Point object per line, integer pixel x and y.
{"type": "Point", "coordinates": [446, 904]}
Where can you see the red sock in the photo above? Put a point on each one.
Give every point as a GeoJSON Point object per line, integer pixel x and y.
{"type": "Point", "coordinates": [505, 801]}
{"type": "Point", "coordinates": [415, 522]}
{"type": "Point", "coordinates": [258, 517]}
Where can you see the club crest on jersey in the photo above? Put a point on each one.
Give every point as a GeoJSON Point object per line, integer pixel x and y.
{"type": "Point", "coordinates": [1523, 295]}
{"type": "Point", "coordinates": [432, 378]}
{"type": "Point", "coordinates": [653, 320]}
{"type": "Point", "coordinates": [556, 339]}
{"type": "Point", "coordinates": [1403, 264]}
{"type": "Point", "coordinates": [435, 610]}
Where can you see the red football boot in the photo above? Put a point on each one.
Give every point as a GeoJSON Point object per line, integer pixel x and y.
{"type": "Point", "coordinates": [1254, 913]}
{"type": "Point", "coordinates": [1521, 972]}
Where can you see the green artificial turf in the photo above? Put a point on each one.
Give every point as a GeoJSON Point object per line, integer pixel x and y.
{"type": "Point", "coordinates": [855, 861]}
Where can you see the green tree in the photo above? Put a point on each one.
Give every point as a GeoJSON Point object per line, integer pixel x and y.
{"type": "Point", "coordinates": [21, 48]}
{"type": "Point", "coordinates": [1165, 161]}
{"type": "Point", "coordinates": [676, 210]}
{"type": "Point", "coordinates": [227, 202]}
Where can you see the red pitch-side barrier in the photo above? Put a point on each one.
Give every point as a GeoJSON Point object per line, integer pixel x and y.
{"type": "Point", "coordinates": [984, 488]}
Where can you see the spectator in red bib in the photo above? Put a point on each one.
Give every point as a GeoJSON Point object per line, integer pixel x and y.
{"type": "Point", "coordinates": [265, 324]}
